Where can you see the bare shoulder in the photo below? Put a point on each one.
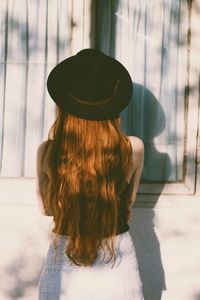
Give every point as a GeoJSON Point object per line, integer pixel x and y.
{"type": "Point", "coordinates": [137, 145]}
{"type": "Point", "coordinates": [41, 148]}
{"type": "Point", "coordinates": [138, 152]}
{"type": "Point", "coordinates": [42, 161]}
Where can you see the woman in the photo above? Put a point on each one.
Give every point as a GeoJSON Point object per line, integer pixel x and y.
{"type": "Point", "coordinates": [88, 173]}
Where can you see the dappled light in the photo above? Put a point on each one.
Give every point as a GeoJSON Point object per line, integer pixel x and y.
{"type": "Point", "coordinates": [157, 41]}
{"type": "Point", "coordinates": [22, 271]}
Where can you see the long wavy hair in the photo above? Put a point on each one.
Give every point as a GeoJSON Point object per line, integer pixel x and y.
{"type": "Point", "coordinates": [88, 164]}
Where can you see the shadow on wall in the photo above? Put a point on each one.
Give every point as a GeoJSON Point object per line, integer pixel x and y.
{"type": "Point", "coordinates": [197, 296]}
{"type": "Point", "coordinates": [147, 122]}
{"type": "Point", "coordinates": [20, 276]}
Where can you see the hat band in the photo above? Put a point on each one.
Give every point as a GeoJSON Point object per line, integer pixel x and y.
{"type": "Point", "coordinates": [105, 100]}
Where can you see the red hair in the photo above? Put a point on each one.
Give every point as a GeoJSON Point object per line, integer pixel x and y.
{"type": "Point", "coordinates": [88, 165]}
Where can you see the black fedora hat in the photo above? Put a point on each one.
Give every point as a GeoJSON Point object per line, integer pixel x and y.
{"type": "Point", "coordinates": [90, 85]}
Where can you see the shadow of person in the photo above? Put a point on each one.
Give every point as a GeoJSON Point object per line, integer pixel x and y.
{"type": "Point", "coordinates": [144, 117]}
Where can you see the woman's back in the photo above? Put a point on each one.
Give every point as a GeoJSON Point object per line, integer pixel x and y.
{"type": "Point", "coordinates": [129, 192]}
{"type": "Point", "coordinates": [87, 178]}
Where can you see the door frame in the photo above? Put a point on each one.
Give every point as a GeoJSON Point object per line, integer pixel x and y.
{"type": "Point", "coordinates": [191, 182]}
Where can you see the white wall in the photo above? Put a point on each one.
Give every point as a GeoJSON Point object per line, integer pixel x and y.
{"type": "Point", "coordinates": [166, 239]}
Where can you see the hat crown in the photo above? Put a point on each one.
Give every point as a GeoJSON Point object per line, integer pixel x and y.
{"type": "Point", "coordinates": [91, 79]}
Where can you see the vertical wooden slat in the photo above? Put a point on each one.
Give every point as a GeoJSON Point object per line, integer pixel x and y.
{"type": "Point", "coordinates": [88, 12]}
{"type": "Point", "coordinates": [104, 26]}
{"type": "Point", "coordinates": [50, 55]}
{"type": "Point", "coordinates": [3, 29]}
{"type": "Point", "coordinates": [3, 58]}
{"type": "Point", "coordinates": [2, 108]}
{"type": "Point", "coordinates": [34, 116]}
{"type": "Point", "coordinates": [77, 28]}
{"type": "Point", "coordinates": [16, 52]}
{"type": "Point", "coordinates": [35, 83]}
{"type": "Point", "coordinates": [51, 31]}
{"type": "Point", "coordinates": [37, 26]}
{"type": "Point", "coordinates": [65, 29]}
{"type": "Point", "coordinates": [14, 121]}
